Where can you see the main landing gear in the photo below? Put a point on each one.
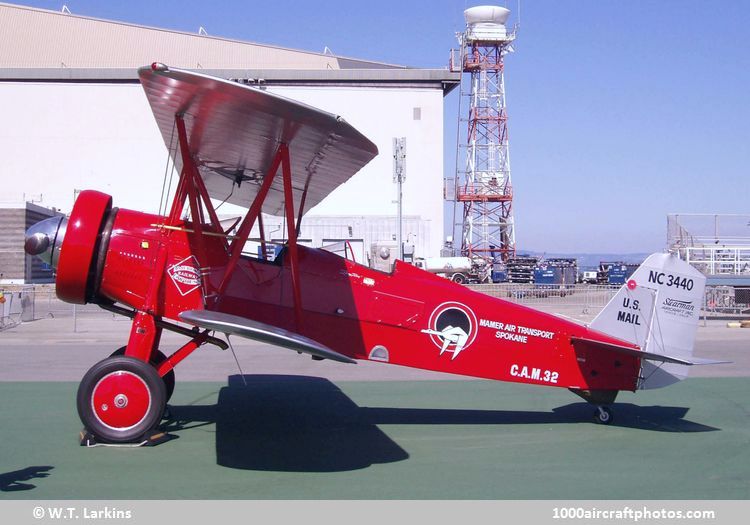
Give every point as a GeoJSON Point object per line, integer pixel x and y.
{"type": "Point", "coordinates": [120, 399]}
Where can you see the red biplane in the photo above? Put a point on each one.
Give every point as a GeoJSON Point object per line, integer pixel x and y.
{"type": "Point", "coordinates": [232, 143]}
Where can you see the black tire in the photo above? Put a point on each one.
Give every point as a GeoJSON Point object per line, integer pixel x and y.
{"type": "Point", "coordinates": [147, 399]}
{"type": "Point", "coordinates": [158, 358]}
{"type": "Point", "coordinates": [603, 416]}
{"type": "Point", "coordinates": [459, 278]}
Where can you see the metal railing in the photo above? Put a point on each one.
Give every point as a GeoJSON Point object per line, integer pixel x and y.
{"type": "Point", "coordinates": [33, 302]}
{"type": "Point", "coordinates": [10, 309]}
{"type": "Point", "coordinates": [726, 301]}
{"type": "Point", "coordinates": [719, 260]}
{"type": "Point", "coordinates": [586, 298]}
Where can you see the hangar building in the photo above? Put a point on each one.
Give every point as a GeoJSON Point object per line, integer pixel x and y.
{"type": "Point", "coordinates": [75, 117]}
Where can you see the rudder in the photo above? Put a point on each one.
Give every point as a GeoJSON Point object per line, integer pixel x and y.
{"type": "Point", "coordinates": [658, 309]}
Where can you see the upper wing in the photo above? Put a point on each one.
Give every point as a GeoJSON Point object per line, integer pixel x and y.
{"type": "Point", "coordinates": [233, 132]}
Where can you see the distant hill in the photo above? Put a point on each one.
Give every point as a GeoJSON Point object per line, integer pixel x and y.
{"type": "Point", "coordinates": [590, 261]}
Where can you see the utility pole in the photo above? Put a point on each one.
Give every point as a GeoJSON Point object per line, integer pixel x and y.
{"type": "Point", "coordinates": [399, 176]}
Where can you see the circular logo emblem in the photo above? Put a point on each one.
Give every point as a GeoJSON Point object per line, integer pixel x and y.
{"type": "Point", "coordinates": [452, 327]}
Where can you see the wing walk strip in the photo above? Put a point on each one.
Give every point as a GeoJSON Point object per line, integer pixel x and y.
{"type": "Point", "coordinates": [647, 355]}
{"type": "Point", "coordinates": [249, 329]}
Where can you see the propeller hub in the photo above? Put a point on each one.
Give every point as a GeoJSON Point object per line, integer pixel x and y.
{"type": "Point", "coordinates": [45, 238]}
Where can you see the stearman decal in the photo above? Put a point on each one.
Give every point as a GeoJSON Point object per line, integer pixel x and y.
{"type": "Point", "coordinates": [678, 308]}
{"type": "Point", "coordinates": [185, 275]}
{"type": "Point", "coordinates": [452, 327]}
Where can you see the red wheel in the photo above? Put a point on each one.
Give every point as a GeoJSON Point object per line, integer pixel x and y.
{"type": "Point", "coordinates": [156, 359]}
{"type": "Point", "coordinates": [120, 399]}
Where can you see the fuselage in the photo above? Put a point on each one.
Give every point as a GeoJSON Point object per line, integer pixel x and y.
{"type": "Point", "coordinates": [407, 317]}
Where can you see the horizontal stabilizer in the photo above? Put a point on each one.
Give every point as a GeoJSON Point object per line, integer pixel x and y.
{"type": "Point", "coordinates": [688, 361]}
{"type": "Point", "coordinates": [249, 329]}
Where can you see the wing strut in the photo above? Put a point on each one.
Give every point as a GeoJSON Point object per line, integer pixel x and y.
{"type": "Point", "coordinates": [192, 190]}
{"type": "Point", "coordinates": [292, 234]}
{"type": "Point", "coordinates": [302, 203]}
{"type": "Point", "coordinates": [197, 180]}
{"type": "Point", "coordinates": [252, 214]}
{"type": "Point", "coordinates": [281, 158]}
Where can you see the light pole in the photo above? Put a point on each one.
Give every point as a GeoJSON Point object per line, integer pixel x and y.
{"type": "Point", "coordinates": [399, 176]}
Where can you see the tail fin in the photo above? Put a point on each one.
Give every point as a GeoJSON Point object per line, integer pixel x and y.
{"type": "Point", "coordinates": [658, 309]}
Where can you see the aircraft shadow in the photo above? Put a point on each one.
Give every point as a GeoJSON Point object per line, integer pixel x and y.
{"type": "Point", "coordinates": [288, 424]}
{"type": "Point", "coordinates": [307, 424]}
{"type": "Point", "coordinates": [655, 418]}
{"type": "Point", "coordinates": [13, 481]}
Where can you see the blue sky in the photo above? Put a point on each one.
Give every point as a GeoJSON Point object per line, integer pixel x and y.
{"type": "Point", "coordinates": [619, 112]}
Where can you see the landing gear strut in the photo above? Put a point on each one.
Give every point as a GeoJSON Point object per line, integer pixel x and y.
{"type": "Point", "coordinates": [603, 415]}
{"type": "Point", "coordinates": [601, 399]}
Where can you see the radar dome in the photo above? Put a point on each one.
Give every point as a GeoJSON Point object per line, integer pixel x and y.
{"type": "Point", "coordinates": [486, 14]}
{"type": "Point", "coordinates": [487, 22]}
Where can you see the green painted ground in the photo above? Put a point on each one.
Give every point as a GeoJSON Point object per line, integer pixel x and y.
{"type": "Point", "coordinates": [301, 437]}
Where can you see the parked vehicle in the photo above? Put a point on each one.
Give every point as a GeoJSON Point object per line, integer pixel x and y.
{"type": "Point", "coordinates": [589, 277]}
{"type": "Point", "coordinates": [461, 270]}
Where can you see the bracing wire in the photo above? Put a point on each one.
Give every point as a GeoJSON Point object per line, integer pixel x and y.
{"type": "Point", "coordinates": [163, 198]}
{"type": "Point", "coordinates": [226, 199]}
{"type": "Point", "coordinates": [242, 375]}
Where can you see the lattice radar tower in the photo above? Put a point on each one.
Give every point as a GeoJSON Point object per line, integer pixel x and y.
{"type": "Point", "coordinates": [484, 187]}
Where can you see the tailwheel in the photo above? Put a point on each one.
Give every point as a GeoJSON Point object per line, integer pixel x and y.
{"type": "Point", "coordinates": [120, 399]}
{"type": "Point", "coordinates": [603, 415]}
{"type": "Point", "coordinates": [156, 359]}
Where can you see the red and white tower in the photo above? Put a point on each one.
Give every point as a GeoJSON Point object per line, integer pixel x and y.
{"type": "Point", "coordinates": [483, 187]}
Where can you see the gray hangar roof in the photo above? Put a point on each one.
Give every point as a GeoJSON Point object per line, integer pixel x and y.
{"type": "Point", "coordinates": [40, 44]}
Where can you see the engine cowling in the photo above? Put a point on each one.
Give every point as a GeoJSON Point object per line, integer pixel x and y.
{"type": "Point", "coordinates": [72, 245]}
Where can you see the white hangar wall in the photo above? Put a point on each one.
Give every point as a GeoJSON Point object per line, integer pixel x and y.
{"type": "Point", "coordinates": [59, 137]}
{"type": "Point", "coordinates": [381, 114]}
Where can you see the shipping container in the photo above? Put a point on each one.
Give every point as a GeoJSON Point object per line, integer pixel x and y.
{"type": "Point", "coordinates": [556, 275]}
{"type": "Point", "coordinates": [619, 273]}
